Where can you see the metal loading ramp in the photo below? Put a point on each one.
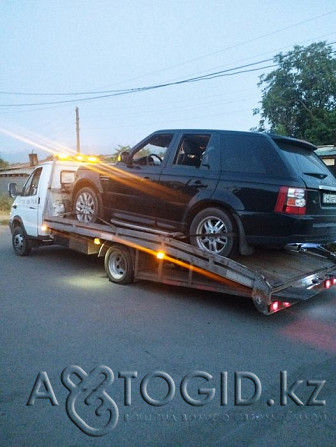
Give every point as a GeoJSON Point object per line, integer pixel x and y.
{"type": "Point", "coordinates": [283, 277]}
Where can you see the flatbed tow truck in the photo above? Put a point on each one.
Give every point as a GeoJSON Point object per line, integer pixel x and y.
{"type": "Point", "coordinates": [273, 279]}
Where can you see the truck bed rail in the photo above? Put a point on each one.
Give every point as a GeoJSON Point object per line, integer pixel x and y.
{"type": "Point", "coordinates": [274, 279]}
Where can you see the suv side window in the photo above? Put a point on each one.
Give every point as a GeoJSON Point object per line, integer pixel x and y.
{"type": "Point", "coordinates": [192, 151]}
{"type": "Point", "coordinates": [31, 186]}
{"type": "Point", "coordinates": [153, 151]}
{"type": "Point", "coordinates": [249, 154]}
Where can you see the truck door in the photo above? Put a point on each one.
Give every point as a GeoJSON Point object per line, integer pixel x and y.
{"type": "Point", "coordinates": [28, 205]}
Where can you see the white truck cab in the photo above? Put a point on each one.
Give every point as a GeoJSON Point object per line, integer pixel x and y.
{"type": "Point", "coordinates": [46, 193]}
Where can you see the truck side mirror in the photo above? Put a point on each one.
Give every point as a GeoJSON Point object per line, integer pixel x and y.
{"type": "Point", "coordinates": [12, 190]}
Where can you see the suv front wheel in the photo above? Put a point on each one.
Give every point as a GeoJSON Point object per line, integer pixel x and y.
{"type": "Point", "coordinates": [87, 205]}
{"type": "Point", "coordinates": [213, 230]}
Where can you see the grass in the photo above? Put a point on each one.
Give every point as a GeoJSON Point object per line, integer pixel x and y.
{"type": "Point", "coordinates": [5, 206]}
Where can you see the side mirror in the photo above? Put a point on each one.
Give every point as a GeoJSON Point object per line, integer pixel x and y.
{"type": "Point", "coordinates": [12, 190]}
{"type": "Point", "coordinates": [125, 158]}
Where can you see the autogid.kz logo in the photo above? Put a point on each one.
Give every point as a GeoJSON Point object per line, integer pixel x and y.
{"type": "Point", "coordinates": [91, 408]}
{"type": "Point", "coordinates": [85, 390]}
{"type": "Point", "coordinates": [91, 389]}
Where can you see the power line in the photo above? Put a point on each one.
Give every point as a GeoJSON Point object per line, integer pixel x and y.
{"type": "Point", "coordinates": [95, 92]}
{"type": "Point", "coordinates": [235, 46]}
{"type": "Point", "coordinates": [111, 93]}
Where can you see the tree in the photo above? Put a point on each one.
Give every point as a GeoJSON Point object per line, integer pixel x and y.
{"type": "Point", "coordinates": [299, 97]}
{"type": "Point", "coordinates": [3, 163]}
{"type": "Point", "coordinates": [116, 154]}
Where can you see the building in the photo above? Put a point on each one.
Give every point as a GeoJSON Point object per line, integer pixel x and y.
{"type": "Point", "coordinates": [328, 155]}
{"type": "Point", "coordinates": [17, 173]}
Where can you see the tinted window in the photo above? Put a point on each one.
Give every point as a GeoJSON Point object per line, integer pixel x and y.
{"type": "Point", "coordinates": [193, 150]}
{"type": "Point", "coordinates": [250, 154]}
{"type": "Point", "coordinates": [303, 160]}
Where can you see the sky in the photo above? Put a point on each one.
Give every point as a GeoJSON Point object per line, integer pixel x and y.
{"type": "Point", "coordinates": [56, 55]}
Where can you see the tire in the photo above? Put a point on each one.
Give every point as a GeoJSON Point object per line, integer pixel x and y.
{"type": "Point", "coordinates": [87, 205]}
{"type": "Point", "coordinates": [214, 220]}
{"type": "Point", "coordinates": [21, 244]}
{"type": "Point", "coordinates": [119, 264]}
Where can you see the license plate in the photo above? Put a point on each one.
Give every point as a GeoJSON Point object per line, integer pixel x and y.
{"type": "Point", "coordinates": [329, 198]}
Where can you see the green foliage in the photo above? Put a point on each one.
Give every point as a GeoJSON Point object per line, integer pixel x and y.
{"type": "Point", "coordinates": [3, 163]}
{"type": "Point", "coordinates": [119, 151]}
{"type": "Point", "coordinates": [5, 204]}
{"type": "Point", "coordinates": [299, 97]}
{"type": "Point", "coordinates": [115, 156]}
{"type": "Point", "coordinates": [144, 152]}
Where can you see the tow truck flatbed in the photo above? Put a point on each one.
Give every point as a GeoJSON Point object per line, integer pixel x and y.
{"type": "Point", "coordinates": [274, 279]}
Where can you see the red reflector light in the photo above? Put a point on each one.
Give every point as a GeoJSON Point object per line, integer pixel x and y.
{"type": "Point", "coordinates": [275, 306]}
{"type": "Point", "coordinates": [334, 281]}
{"type": "Point", "coordinates": [278, 305]}
{"type": "Point", "coordinates": [291, 200]}
{"type": "Point", "coordinates": [328, 283]}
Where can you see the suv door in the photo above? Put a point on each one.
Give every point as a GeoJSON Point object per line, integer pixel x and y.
{"type": "Point", "coordinates": [191, 176]}
{"type": "Point", "coordinates": [131, 191]}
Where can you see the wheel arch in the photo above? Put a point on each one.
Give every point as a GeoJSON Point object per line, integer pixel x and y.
{"type": "Point", "coordinates": [200, 206]}
{"type": "Point", "coordinates": [106, 245]}
{"type": "Point", "coordinates": [17, 222]}
{"type": "Point", "coordinates": [82, 183]}
{"type": "Point", "coordinates": [244, 247]}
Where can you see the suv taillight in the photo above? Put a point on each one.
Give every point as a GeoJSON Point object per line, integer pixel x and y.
{"type": "Point", "coordinates": [291, 200]}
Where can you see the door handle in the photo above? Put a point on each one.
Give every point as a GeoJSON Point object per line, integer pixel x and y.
{"type": "Point", "coordinates": [198, 183]}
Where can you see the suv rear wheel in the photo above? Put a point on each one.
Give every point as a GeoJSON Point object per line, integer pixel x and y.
{"type": "Point", "coordinates": [213, 230]}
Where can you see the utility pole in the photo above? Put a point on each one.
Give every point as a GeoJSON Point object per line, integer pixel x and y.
{"type": "Point", "coordinates": [77, 130]}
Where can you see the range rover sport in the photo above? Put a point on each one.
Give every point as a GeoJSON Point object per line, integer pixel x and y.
{"type": "Point", "coordinates": [225, 190]}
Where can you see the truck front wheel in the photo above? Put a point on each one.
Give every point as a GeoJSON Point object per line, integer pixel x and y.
{"type": "Point", "coordinates": [119, 264]}
{"type": "Point", "coordinates": [21, 244]}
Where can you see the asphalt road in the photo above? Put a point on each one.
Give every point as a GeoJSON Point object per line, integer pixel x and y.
{"type": "Point", "coordinates": [172, 350]}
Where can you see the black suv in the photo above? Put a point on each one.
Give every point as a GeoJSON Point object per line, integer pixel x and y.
{"type": "Point", "coordinates": [225, 190]}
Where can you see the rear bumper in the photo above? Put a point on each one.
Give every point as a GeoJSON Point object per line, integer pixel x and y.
{"type": "Point", "coordinates": [280, 229]}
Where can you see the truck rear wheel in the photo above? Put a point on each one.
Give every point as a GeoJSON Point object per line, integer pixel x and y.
{"type": "Point", "coordinates": [21, 244]}
{"type": "Point", "coordinates": [119, 264]}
